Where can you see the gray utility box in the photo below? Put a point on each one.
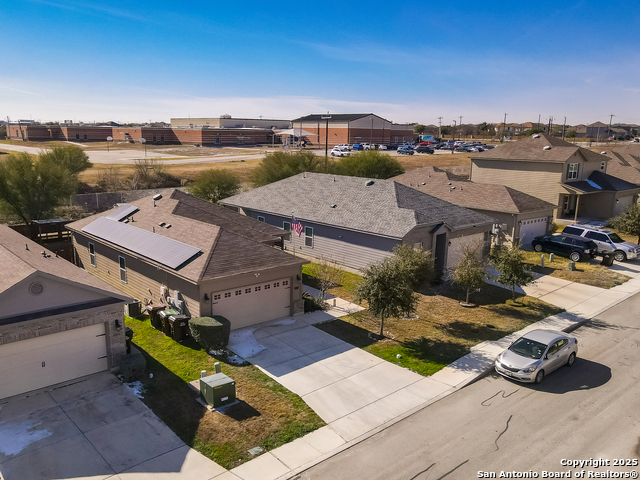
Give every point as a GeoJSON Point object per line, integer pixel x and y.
{"type": "Point", "coordinates": [218, 389]}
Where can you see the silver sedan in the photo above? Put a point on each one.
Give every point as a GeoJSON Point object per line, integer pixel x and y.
{"type": "Point", "coordinates": [536, 354]}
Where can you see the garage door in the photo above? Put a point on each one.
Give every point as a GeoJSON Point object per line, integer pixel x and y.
{"type": "Point", "coordinates": [531, 229]}
{"type": "Point", "coordinates": [254, 303]}
{"type": "Point", "coordinates": [43, 361]}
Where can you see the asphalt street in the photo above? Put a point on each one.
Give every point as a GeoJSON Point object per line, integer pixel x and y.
{"type": "Point", "coordinates": [588, 411]}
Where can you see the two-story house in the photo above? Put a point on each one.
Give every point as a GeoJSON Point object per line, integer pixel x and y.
{"type": "Point", "coordinates": [572, 178]}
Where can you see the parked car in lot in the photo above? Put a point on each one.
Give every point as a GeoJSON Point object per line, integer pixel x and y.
{"type": "Point", "coordinates": [423, 149]}
{"type": "Point", "coordinates": [357, 146]}
{"type": "Point", "coordinates": [572, 246]}
{"type": "Point", "coordinates": [340, 152]}
{"type": "Point", "coordinates": [366, 146]}
{"type": "Point", "coordinates": [607, 241]}
{"type": "Point", "coordinates": [344, 146]}
{"type": "Point", "coordinates": [405, 150]}
{"type": "Point", "coordinates": [537, 354]}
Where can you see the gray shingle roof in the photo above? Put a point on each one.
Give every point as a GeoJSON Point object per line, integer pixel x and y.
{"type": "Point", "coordinates": [599, 181]}
{"type": "Point", "coordinates": [380, 207]}
{"type": "Point", "coordinates": [481, 196]}
{"type": "Point", "coordinates": [533, 149]}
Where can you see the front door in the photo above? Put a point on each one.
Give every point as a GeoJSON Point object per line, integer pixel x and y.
{"type": "Point", "coordinates": [440, 254]}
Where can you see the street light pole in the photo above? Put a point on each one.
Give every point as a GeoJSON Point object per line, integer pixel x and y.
{"type": "Point", "coordinates": [326, 140]}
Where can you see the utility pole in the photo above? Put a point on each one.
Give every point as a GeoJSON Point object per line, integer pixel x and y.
{"type": "Point", "coordinates": [326, 141]}
{"type": "Point", "coordinates": [460, 128]}
{"type": "Point", "coordinates": [610, 119]}
{"type": "Point", "coordinates": [550, 123]}
{"type": "Point", "coordinates": [564, 126]}
{"type": "Point", "coordinates": [440, 127]}
{"type": "Point", "coordinates": [504, 127]}
{"type": "Point", "coordinates": [453, 137]}
{"type": "Point", "coordinates": [539, 116]}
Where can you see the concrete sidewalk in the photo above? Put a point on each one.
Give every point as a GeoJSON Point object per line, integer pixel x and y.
{"type": "Point", "coordinates": [336, 400]}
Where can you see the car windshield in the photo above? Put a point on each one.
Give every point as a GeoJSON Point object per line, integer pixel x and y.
{"type": "Point", "coordinates": [528, 348]}
{"type": "Point", "coordinates": [615, 238]}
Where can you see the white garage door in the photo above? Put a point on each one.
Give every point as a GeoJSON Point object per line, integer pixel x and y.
{"type": "Point", "coordinates": [531, 229]}
{"type": "Point", "coordinates": [43, 361]}
{"type": "Point", "coordinates": [253, 304]}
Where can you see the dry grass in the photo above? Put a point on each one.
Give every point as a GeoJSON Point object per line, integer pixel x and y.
{"type": "Point", "coordinates": [443, 330]}
{"type": "Point", "coordinates": [588, 273]}
{"type": "Point", "coordinates": [267, 414]}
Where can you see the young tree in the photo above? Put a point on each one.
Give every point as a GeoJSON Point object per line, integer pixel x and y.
{"type": "Point", "coordinates": [471, 270]}
{"type": "Point", "coordinates": [369, 164]}
{"type": "Point", "coordinates": [280, 165]}
{"type": "Point", "coordinates": [419, 128]}
{"type": "Point", "coordinates": [215, 184]}
{"type": "Point", "coordinates": [31, 188]}
{"type": "Point", "coordinates": [509, 262]}
{"type": "Point", "coordinates": [628, 222]}
{"type": "Point", "coordinates": [328, 273]}
{"type": "Point", "coordinates": [386, 287]}
{"type": "Point", "coordinates": [416, 263]}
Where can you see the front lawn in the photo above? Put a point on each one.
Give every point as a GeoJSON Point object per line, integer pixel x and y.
{"type": "Point", "coordinates": [443, 330]}
{"type": "Point", "coordinates": [267, 415]}
{"type": "Point", "coordinates": [588, 273]}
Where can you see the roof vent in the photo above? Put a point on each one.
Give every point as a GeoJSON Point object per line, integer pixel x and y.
{"type": "Point", "coordinates": [535, 136]}
{"type": "Point", "coordinates": [546, 147]}
{"type": "Point", "coordinates": [422, 183]}
{"type": "Point", "coordinates": [368, 183]}
{"type": "Point", "coordinates": [603, 153]}
{"type": "Point", "coordinates": [333, 206]}
{"type": "Point", "coordinates": [157, 197]}
{"type": "Point", "coordinates": [36, 288]}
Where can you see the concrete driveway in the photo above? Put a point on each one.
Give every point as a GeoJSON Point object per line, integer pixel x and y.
{"type": "Point", "coordinates": [93, 427]}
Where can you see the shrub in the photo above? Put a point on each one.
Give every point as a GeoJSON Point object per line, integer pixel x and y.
{"type": "Point", "coordinates": [212, 333]}
{"type": "Point", "coordinates": [311, 304]}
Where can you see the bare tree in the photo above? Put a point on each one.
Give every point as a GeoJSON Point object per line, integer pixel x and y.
{"type": "Point", "coordinates": [328, 273]}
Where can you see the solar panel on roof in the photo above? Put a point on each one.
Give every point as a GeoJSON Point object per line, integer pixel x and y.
{"type": "Point", "coordinates": [122, 212]}
{"type": "Point", "coordinates": [166, 251]}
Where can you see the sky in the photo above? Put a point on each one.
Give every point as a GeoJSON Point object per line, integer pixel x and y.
{"type": "Point", "coordinates": [407, 61]}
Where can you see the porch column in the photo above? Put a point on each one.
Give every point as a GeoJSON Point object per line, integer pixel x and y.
{"type": "Point", "coordinates": [575, 217]}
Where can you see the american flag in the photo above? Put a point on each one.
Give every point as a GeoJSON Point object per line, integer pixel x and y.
{"type": "Point", "coordinates": [296, 226]}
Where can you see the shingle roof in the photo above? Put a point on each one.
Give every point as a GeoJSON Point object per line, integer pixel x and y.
{"type": "Point", "coordinates": [380, 207]}
{"type": "Point", "coordinates": [481, 196]}
{"type": "Point", "coordinates": [211, 232]}
{"type": "Point", "coordinates": [599, 181]}
{"type": "Point", "coordinates": [19, 263]}
{"type": "Point", "coordinates": [533, 149]}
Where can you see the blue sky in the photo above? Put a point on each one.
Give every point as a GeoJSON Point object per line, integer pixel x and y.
{"type": "Point", "coordinates": [406, 61]}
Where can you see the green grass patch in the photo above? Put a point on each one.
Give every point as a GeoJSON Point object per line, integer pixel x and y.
{"type": "Point", "coordinates": [267, 415]}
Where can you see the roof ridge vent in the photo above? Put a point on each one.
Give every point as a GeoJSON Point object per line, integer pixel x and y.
{"type": "Point", "coordinates": [368, 183]}
{"type": "Point", "coordinates": [535, 136]}
{"type": "Point", "coordinates": [546, 147]}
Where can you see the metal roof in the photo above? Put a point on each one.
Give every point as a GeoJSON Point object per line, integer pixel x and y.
{"type": "Point", "coordinates": [123, 212]}
{"type": "Point", "coordinates": [166, 251]}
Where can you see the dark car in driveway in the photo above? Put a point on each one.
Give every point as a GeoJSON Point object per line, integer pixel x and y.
{"type": "Point", "coordinates": [572, 246]}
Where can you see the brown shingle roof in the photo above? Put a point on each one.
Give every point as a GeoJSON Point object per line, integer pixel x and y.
{"type": "Point", "coordinates": [218, 243]}
{"type": "Point", "coordinates": [533, 149]}
{"type": "Point", "coordinates": [478, 196]}
{"type": "Point", "coordinates": [20, 263]}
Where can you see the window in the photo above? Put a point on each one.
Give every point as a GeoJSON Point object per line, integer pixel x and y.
{"type": "Point", "coordinates": [286, 226]}
{"type": "Point", "coordinates": [257, 289]}
{"type": "Point", "coordinates": [285, 283]}
{"type": "Point", "coordinates": [162, 138]}
{"type": "Point", "coordinates": [85, 136]}
{"type": "Point", "coordinates": [123, 269]}
{"type": "Point", "coordinates": [603, 166]}
{"type": "Point", "coordinates": [276, 285]}
{"type": "Point", "coordinates": [227, 295]}
{"type": "Point", "coordinates": [238, 292]}
{"type": "Point", "coordinates": [308, 237]}
{"type": "Point", "coordinates": [260, 219]}
{"type": "Point", "coordinates": [247, 290]}
{"type": "Point", "coordinates": [77, 135]}
{"type": "Point", "coordinates": [267, 286]}
{"type": "Point", "coordinates": [572, 171]}
{"type": "Point", "coordinates": [217, 139]}
{"type": "Point", "coordinates": [92, 254]}
{"type": "Point", "coordinates": [216, 297]}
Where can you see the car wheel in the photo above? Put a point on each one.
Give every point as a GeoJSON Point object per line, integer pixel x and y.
{"type": "Point", "coordinates": [571, 360]}
{"type": "Point", "coordinates": [619, 256]}
{"type": "Point", "coordinates": [539, 376]}
{"type": "Point", "coordinates": [537, 247]}
{"type": "Point", "coordinates": [575, 256]}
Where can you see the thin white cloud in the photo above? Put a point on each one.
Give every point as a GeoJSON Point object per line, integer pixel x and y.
{"type": "Point", "coordinates": [89, 8]}
{"type": "Point", "coordinates": [21, 91]}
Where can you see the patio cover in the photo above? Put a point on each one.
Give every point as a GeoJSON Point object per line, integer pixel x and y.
{"type": "Point", "coordinates": [295, 132]}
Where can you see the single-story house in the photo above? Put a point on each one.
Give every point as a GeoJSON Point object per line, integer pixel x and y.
{"type": "Point", "coordinates": [175, 249]}
{"type": "Point", "coordinates": [572, 178]}
{"type": "Point", "coordinates": [57, 322]}
{"type": "Point", "coordinates": [357, 221]}
{"type": "Point", "coordinates": [519, 216]}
